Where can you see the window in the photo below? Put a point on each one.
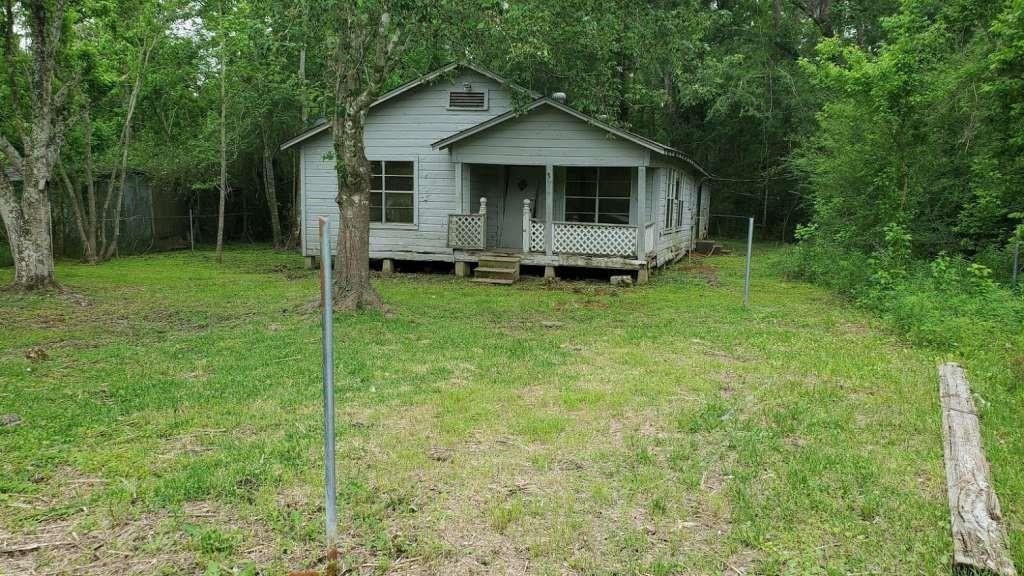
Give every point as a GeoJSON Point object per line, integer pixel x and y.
{"type": "Point", "coordinates": [597, 195]}
{"type": "Point", "coordinates": [681, 196]}
{"type": "Point", "coordinates": [672, 212]}
{"type": "Point", "coordinates": [391, 191]}
{"type": "Point", "coordinates": [467, 100]}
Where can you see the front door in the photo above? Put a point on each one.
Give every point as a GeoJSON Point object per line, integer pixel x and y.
{"type": "Point", "coordinates": [521, 182]}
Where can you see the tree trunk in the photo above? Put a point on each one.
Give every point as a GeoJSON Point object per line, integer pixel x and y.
{"type": "Point", "coordinates": [111, 249]}
{"type": "Point", "coordinates": [295, 215]}
{"type": "Point", "coordinates": [352, 287]}
{"type": "Point", "coordinates": [88, 241]}
{"type": "Point", "coordinates": [270, 188]}
{"type": "Point", "coordinates": [223, 158]}
{"type": "Point", "coordinates": [91, 255]}
{"type": "Point", "coordinates": [27, 215]}
{"type": "Point", "coordinates": [28, 230]}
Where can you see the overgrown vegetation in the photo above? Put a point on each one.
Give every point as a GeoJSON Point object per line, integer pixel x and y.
{"type": "Point", "coordinates": [916, 176]}
{"type": "Point", "coordinates": [170, 417]}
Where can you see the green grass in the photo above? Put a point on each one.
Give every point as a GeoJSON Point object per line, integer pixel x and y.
{"type": "Point", "coordinates": [176, 426]}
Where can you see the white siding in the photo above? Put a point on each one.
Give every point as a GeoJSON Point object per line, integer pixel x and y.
{"type": "Point", "coordinates": [549, 136]}
{"type": "Point", "coordinates": [402, 129]}
{"type": "Point", "coordinates": [673, 243]}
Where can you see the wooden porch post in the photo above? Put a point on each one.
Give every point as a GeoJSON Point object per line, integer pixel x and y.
{"type": "Point", "coordinates": [526, 225]}
{"type": "Point", "coordinates": [459, 193]}
{"type": "Point", "coordinates": [641, 212]}
{"type": "Point", "coordinates": [483, 222]}
{"type": "Point", "coordinates": [549, 209]}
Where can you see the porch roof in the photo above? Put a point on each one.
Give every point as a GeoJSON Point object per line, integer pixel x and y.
{"type": "Point", "coordinates": [642, 141]}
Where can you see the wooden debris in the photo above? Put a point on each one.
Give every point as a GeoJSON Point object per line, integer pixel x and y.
{"type": "Point", "coordinates": [10, 420]}
{"type": "Point", "coordinates": [36, 354]}
{"type": "Point", "coordinates": [979, 539]}
{"type": "Point", "coordinates": [624, 280]}
{"type": "Point", "coordinates": [25, 548]}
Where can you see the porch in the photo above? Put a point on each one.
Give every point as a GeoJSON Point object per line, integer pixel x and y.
{"type": "Point", "coordinates": [582, 216]}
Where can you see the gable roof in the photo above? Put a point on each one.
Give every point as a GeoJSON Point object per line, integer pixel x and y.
{"type": "Point", "coordinates": [645, 142]}
{"type": "Point", "coordinates": [428, 78]}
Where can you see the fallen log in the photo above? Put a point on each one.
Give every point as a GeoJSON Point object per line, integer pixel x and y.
{"type": "Point", "coordinates": [979, 539]}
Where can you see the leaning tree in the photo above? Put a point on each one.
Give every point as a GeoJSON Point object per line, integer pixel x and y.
{"type": "Point", "coordinates": [367, 47]}
{"type": "Point", "coordinates": [31, 132]}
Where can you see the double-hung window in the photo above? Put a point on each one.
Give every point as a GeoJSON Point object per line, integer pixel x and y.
{"type": "Point", "coordinates": [392, 191]}
{"type": "Point", "coordinates": [672, 212]}
{"type": "Point", "coordinates": [597, 195]}
{"type": "Point", "coordinates": [681, 195]}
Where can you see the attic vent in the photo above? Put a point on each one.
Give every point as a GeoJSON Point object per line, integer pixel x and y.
{"type": "Point", "coordinates": [467, 100]}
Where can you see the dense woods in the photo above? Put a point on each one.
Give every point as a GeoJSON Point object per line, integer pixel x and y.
{"type": "Point", "coordinates": [871, 130]}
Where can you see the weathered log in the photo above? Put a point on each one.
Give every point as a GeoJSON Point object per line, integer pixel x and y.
{"type": "Point", "coordinates": [979, 539]}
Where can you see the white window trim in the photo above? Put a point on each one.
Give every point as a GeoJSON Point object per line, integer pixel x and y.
{"type": "Point", "coordinates": [678, 213]}
{"type": "Point", "coordinates": [597, 199]}
{"type": "Point", "coordinates": [484, 108]}
{"type": "Point", "coordinates": [415, 196]}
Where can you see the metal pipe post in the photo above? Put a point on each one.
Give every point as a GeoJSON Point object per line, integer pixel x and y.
{"type": "Point", "coordinates": [191, 230]}
{"type": "Point", "coordinates": [326, 305]}
{"type": "Point", "coordinates": [750, 248]}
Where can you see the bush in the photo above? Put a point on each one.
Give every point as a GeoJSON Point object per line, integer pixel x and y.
{"type": "Point", "coordinates": [949, 303]}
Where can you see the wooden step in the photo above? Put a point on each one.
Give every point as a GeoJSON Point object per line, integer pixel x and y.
{"type": "Point", "coordinates": [496, 273]}
{"type": "Point", "coordinates": [494, 280]}
{"type": "Point", "coordinates": [498, 262]}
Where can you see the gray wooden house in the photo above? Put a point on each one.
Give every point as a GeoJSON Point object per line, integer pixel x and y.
{"type": "Point", "coordinates": [472, 169]}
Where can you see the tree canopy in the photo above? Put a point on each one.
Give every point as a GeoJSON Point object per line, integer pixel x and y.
{"type": "Point", "coordinates": [851, 115]}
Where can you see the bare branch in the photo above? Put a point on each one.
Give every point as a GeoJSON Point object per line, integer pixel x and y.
{"type": "Point", "coordinates": [11, 153]}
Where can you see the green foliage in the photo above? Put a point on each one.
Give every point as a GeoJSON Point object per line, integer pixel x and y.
{"type": "Point", "coordinates": [925, 131]}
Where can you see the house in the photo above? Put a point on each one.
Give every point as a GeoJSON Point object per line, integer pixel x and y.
{"type": "Point", "coordinates": [472, 169]}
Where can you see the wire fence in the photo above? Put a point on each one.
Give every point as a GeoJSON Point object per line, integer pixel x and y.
{"type": "Point", "coordinates": [139, 234]}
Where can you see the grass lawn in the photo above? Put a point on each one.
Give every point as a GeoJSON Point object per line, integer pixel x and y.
{"type": "Point", "coordinates": [171, 423]}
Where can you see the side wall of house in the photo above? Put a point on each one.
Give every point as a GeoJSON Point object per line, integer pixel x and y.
{"type": "Point", "coordinates": [402, 129]}
{"type": "Point", "coordinates": [674, 241]}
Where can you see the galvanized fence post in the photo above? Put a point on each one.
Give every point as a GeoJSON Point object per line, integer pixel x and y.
{"type": "Point", "coordinates": [750, 248]}
{"type": "Point", "coordinates": [326, 306]}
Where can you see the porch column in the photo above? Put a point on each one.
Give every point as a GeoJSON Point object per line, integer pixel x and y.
{"type": "Point", "coordinates": [526, 225]}
{"type": "Point", "coordinates": [549, 209]}
{"type": "Point", "coordinates": [458, 190]}
{"type": "Point", "coordinates": [641, 212]}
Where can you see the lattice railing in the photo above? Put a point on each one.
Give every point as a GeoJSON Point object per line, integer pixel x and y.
{"type": "Point", "coordinates": [595, 239]}
{"type": "Point", "coordinates": [466, 231]}
{"type": "Point", "coordinates": [537, 236]}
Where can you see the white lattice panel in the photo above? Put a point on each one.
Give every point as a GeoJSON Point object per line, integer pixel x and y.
{"type": "Point", "coordinates": [536, 236]}
{"type": "Point", "coordinates": [595, 239]}
{"type": "Point", "coordinates": [466, 231]}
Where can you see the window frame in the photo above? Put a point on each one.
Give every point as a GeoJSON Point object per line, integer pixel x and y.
{"type": "Point", "coordinates": [383, 224]}
{"type": "Point", "coordinates": [596, 198]}
{"type": "Point", "coordinates": [672, 201]}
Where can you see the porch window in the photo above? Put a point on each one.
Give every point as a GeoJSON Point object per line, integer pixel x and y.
{"type": "Point", "coordinates": [392, 188]}
{"type": "Point", "coordinates": [597, 195]}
